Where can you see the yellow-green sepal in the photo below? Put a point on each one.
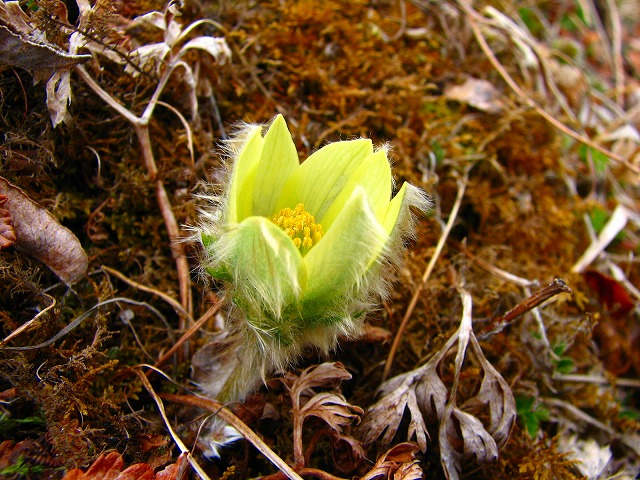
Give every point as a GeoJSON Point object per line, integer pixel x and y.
{"type": "Point", "coordinates": [266, 266]}
{"type": "Point", "coordinates": [240, 205]}
{"type": "Point", "coordinates": [337, 265]}
{"type": "Point", "coordinates": [279, 159]}
{"type": "Point", "coordinates": [374, 175]}
{"type": "Point", "coordinates": [320, 179]}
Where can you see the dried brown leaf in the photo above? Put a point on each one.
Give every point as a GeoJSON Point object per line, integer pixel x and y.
{"type": "Point", "coordinates": [110, 467]}
{"type": "Point", "coordinates": [461, 433]}
{"type": "Point", "coordinates": [7, 233]}
{"type": "Point", "coordinates": [326, 375]}
{"type": "Point", "coordinates": [384, 417]}
{"type": "Point", "coordinates": [495, 395]}
{"type": "Point", "coordinates": [39, 234]}
{"type": "Point", "coordinates": [333, 408]}
{"type": "Point", "coordinates": [398, 463]}
{"type": "Point", "coordinates": [175, 471]}
{"type": "Point", "coordinates": [347, 452]}
{"type": "Point", "coordinates": [477, 93]}
{"type": "Point", "coordinates": [21, 45]}
{"type": "Point", "coordinates": [460, 428]}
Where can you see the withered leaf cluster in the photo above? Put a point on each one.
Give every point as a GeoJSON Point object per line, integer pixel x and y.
{"type": "Point", "coordinates": [461, 432]}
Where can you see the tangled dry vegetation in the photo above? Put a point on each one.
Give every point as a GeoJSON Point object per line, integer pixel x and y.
{"type": "Point", "coordinates": [520, 120]}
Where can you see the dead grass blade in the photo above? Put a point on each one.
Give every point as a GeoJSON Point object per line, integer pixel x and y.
{"type": "Point", "coordinates": [473, 17]}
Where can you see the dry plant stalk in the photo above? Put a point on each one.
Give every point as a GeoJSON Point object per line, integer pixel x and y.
{"type": "Point", "coordinates": [462, 185]}
{"type": "Point", "coordinates": [170, 61]}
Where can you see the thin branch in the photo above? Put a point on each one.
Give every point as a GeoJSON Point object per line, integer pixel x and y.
{"type": "Point", "coordinates": [225, 414]}
{"type": "Point", "coordinates": [193, 329]}
{"type": "Point", "coordinates": [500, 323]}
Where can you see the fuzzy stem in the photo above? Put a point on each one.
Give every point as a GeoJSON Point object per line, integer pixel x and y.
{"type": "Point", "coordinates": [244, 376]}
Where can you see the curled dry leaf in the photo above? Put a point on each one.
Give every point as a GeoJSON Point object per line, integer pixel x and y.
{"type": "Point", "coordinates": [347, 452]}
{"type": "Point", "coordinates": [331, 407]}
{"type": "Point", "coordinates": [384, 417]}
{"type": "Point", "coordinates": [398, 463]}
{"type": "Point", "coordinates": [39, 234]}
{"type": "Point", "coordinates": [462, 435]}
{"type": "Point", "coordinates": [7, 233]}
{"type": "Point", "coordinates": [326, 375]}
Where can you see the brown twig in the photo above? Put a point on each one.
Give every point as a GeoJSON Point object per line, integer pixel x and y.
{"type": "Point", "coordinates": [141, 126]}
{"type": "Point", "coordinates": [225, 414]}
{"type": "Point", "coordinates": [500, 323]}
{"type": "Point", "coordinates": [193, 329]}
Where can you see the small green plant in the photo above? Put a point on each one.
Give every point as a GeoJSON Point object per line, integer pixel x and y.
{"type": "Point", "coordinates": [562, 364]}
{"type": "Point", "coordinates": [531, 413]}
{"type": "Point", "coordinates": [22, 468]}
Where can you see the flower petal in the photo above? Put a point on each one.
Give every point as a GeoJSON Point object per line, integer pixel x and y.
{"type": "Point", "coordinates": [243, 176]}
{"type": "Point", "coordinates": [374, 175]}
{"type": "Point", "coordinates": [265, 265]}
{"type": "Point", "coordinates": [278, 161]}
{"type": "Point", "coordinates": [336, 266]}
{"type": "Point", "coordinates": [320, 179]}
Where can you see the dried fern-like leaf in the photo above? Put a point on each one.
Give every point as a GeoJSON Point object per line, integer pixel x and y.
{"type": "Point", "coordinates": [384, 417]}
{"type": "Point", "coordinates": [331, 407]}
{"type": "Point", "coordinates": [398, 463]}
{"type": "Point", "coordinates": [7, 233]}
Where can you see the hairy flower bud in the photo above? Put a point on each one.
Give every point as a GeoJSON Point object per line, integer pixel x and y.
{"type": "Point", "coordinates": [300, 247]}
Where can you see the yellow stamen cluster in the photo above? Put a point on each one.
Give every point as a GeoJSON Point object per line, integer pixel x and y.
{"type": "Point", "coordinates": [300, 225]}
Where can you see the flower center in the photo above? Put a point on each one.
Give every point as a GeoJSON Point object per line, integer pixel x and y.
{"type": "Point", "coordinates": [300, 226]}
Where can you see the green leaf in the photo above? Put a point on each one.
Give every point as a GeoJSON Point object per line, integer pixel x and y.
{"type": "Point", "coordinates": [278, 161]}
{"type": "Point", "coordinates": [21, 467]}
{"type": "Point", "coordinates": [337, 264]}
{"type": "Point", "coordinates": [321, 178]}
{"type": "Point", "coordinates": [600, 160]}
{"type": "Point", "coordinates": [531, 414]}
